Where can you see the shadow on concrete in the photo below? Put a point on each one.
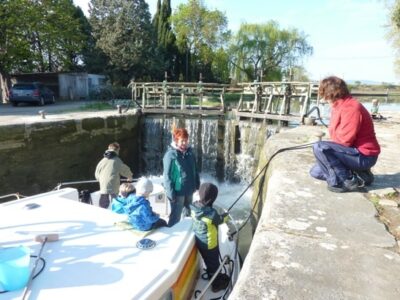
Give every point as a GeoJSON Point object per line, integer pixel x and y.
{"type": "Point", "coordinates": [386, 181]}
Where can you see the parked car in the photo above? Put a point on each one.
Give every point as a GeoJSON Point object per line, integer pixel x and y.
{"type": "Point", "coordinates": [33, 92]}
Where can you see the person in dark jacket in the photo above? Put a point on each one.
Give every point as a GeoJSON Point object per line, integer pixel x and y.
{"type": "Point", "coordinates": [205, 226]}
{"type": "Point", "coordinates": [345, 161]}
{"type": "Point", "coordinates": [108, 173]}
{"type": "Point", "coordinates": [136, 206]}
{"type": "Point", "coordinates": [181, 177]}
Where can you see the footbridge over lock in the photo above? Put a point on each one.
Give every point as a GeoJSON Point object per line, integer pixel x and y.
{"type": "Point", "coordinates": [263, 101]}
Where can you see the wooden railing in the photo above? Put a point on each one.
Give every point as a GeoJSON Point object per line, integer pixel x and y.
{"type": "Point", "coordinates": [261, 98]}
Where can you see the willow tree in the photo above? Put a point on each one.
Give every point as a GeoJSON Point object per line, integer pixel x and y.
{"type": "Point", "coordinates": [199, 32]}
{"type": "Point", "coordinates": [123, 31]}
{"type": "Point", "coordinates": [394, 33]}
{"type": "Point", "coordinates": [265, 50]}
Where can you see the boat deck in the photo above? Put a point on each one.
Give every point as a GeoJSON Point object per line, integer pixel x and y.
{"type": "Point", "coordinates": [92, 255]}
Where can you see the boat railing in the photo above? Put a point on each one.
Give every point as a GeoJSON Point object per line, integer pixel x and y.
{"type": "Point", "coordinates": [16, 195]}
{"type": "Point", "coordinates": [61, 184]}
{"type": "Point", "coordinates": [232, 235]}
{"type": "Point", "coordinates": [223, 263]}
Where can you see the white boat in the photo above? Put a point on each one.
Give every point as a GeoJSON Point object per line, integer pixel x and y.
{"type": "Point", "coordinates": [97, 257]}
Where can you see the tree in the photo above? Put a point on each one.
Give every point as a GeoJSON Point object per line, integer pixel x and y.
{"type": "Point", "coordinates": [199, 33]}
{"type": "Point", "coordinates": [394, 33]}
{"type": "Point", "coordinates": [123, 31]}
{"type": "Point", "coordinates": [166, 40]}
{"type": "Point", "coordinates": [38, 36]}
{"type": "Point", "coordinates": [220, 66]}
{"type": "Point", "coordinates": [265, 50]}
{"type": "Point", "coordinates": [298, 73]}
{"type": "Point", "coordinates": [93, 58]}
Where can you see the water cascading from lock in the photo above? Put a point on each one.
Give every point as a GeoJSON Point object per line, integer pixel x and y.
{"type": "Point", "coordinates": [211, 152]}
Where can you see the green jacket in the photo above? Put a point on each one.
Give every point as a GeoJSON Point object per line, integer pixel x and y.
{"type": "Point", "coordinates": [205, 225]}
{"type": "Point", "coordinates": [108, 172]}
{"type": "Point", "coordinates": [181, 177]}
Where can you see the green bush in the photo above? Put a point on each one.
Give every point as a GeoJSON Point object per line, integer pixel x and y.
{"type": "Point", "coordinates": [107, 93]}
{"type": "Point", "coordinates": [121, 92]}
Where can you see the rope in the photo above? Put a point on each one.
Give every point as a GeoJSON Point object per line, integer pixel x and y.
{"type": "Point", "coordinates": [318, 115]}
{"type": "Point", "coordinates": [228, 271]}
{"type": "Point", "coordinates": [266, 166]}
{"type": "Point", "coordinates": [263, 172]}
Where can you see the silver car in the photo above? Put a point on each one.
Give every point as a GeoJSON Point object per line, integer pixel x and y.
{"type": "Point", "coordinates": [34, 92]}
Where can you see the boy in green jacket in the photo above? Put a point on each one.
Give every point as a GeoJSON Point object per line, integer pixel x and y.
{"type": "Point", "coordinates": [205, 226]}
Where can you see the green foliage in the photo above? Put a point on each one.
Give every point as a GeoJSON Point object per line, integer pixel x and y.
{"type": "Point", "coordinates": [106, 93]}
{"type": "Point", "coordinates": [121, 92]}
{"type": "Point", "coordinates": [266, 49]}
{"type": "Point", "coordinates": [167, 51]}
{"type": "Point", "coordinates": [199, 33]}
{"type": "Point", "coordinates": [232, 97]}
{"type": "Point", "coordinates": [96, 106]}
{"type": "Point", "coordinates": [220, 66]}
{"type": "Point", "coordinates": [103, 93]}
{"type": "Point", "coordinates": [39, 36]}
{"type": "Point", "coordinates": [123, 31]}
{"type": "Point", "coordinates": [394, 33]}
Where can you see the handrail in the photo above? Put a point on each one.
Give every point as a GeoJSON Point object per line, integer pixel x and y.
{"type": "Point", "coordinates": [86, 181]}
{"type": "Point", "coordinates": [224, 260]}
{"type": "Point", "coordinates": [16, 195]}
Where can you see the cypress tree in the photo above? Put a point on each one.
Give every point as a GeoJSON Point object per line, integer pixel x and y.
{"type": "Point", "coordinates": [166, 40]}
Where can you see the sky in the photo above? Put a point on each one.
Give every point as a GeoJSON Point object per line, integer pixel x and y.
{"type": "Point", "coordinates": [349, 37]}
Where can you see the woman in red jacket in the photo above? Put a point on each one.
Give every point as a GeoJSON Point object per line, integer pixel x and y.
{"type": "Point", "coordinates": [346, 160]}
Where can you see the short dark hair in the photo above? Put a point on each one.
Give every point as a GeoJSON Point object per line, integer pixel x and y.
{"type": "Point", "coordinates": [333, 88]}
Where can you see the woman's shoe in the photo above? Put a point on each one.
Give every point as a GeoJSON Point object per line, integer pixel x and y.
{"type": "Point", "coordinates": [365, 176]}
{"type": "Point", "coordinates": [349, 185]}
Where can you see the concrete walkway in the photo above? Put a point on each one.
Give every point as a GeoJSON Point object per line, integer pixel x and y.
{"type": "Point", "coordinates": [314, 244]}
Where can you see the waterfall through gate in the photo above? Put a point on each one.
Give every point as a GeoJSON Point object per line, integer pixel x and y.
{"type": "Point", "coordinates": [225, 149]}
{"type": "Point", "coordinates": [227, 153]}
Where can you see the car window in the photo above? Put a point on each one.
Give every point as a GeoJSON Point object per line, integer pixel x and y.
{"type": "Point", "coordinates": [23, 87]}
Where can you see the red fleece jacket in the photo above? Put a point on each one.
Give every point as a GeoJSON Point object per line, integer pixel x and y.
{"type": "Point", "coordinates": [351, 125]}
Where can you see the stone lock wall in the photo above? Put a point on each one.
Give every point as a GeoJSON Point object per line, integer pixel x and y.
{"type": "Point", "coordinates": [36, 157]}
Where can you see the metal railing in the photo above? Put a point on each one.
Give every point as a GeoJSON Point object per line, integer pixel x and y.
{"type": "Point", "coordinates": [16, 195]}
{"type": "Point", "coordinates": [85, 181]}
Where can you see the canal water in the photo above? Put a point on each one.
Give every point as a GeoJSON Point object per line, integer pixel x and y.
{"type": "Point", "coordinates": [227, 153]}
{"type": "Point", "coordinates": [384, 106]}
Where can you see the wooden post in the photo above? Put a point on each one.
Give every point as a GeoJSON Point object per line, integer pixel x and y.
{"type": "Point", "coordinates": [144, 96]}
{"type": "Point", "coordinates": [239, 107]}
{"type": "Point", "coordinates": [183, 97]}
{"type": "Point", "coordinates": [220, 163]}
{"type": "Point", "coordinates": [221, 96]}
{"type": "Point", "coordinates": [201, 101]}
{"type": "Point", "coordinates": [200, 91]}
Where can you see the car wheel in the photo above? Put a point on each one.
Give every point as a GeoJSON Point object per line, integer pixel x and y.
{"type": "Point", "coordinates": [14, 103]}
{"type": "Point", "coordinates": [41, 101]}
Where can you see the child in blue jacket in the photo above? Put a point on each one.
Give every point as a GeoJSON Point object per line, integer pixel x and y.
{"type": "Point", "coordinates": [205, 225]}
{"type": "Point", "coordinates": [136, 206]}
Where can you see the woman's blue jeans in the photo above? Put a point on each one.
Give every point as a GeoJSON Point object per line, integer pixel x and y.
{"type": "Point", "coordinates": [178, 205]}
{"type": "Point", "coordinates": [335, 162]}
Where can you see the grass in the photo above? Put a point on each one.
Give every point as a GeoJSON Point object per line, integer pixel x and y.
{"type": "Point", "coordinates": [96, 106]}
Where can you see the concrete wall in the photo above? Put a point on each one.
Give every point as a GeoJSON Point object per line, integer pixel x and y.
{"type": "Point", "coordinates": [36, 157]}
{"type": "Point", "coordinates": [311, 243]}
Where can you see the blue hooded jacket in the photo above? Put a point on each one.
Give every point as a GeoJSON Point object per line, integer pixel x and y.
{"type": "Point", "coordinates": [138, 209]}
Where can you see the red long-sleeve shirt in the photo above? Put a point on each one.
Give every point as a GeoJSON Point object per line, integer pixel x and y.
{"type": "Point", "coordinates": [351, 125]}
